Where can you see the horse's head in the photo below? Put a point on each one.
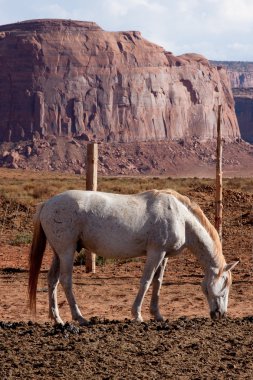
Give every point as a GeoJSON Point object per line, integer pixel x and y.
{"type": "Point", "coordinates": [216, 289]}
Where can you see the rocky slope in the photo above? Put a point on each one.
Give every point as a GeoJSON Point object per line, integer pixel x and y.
{"type": "Point", "coordinates": [241, 79]}
{"type": "Point", "coordinates": [71, 78]}
{"type": "Point", "coordinates": [181, 158]}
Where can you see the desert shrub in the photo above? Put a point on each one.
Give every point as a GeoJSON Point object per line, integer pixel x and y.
{"type": "Point", "coordinates": [80, 258]}
{"type": "Point", "coordinates": [41, 192]}
{"type": "Point", "coordinates": [28, 187]}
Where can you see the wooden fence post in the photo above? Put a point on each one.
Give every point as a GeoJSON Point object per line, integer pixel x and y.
{"type": "Point", "coordinates": [218, 197]}
{"type": "Point", "coordinates": [91, 184]}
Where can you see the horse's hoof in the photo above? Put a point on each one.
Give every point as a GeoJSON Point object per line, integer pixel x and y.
{"type": "Point", "coordinates": [159, 318]}
{"type": "Point", "coordinates": [138, 319]}
{"type": "Point", "coordinates": [83, 322]}
{"type": "Point", "coordinates": [58, 322]}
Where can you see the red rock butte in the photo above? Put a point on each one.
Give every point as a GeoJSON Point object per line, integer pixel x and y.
{"type": "Point", "coordinates": [72, 78]}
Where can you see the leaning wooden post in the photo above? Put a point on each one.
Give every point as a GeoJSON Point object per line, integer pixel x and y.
{"type": "Point", "coordinates": [91, 184]}
{"type": "Point", "coordinates": [218, 198]}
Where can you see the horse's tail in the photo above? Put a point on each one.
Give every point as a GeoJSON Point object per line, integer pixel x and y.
{"type": "Point", "coordinates": [35, 259]}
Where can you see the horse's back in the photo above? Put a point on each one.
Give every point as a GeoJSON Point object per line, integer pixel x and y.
{"type": "Point", "coordinates": [109, 224]}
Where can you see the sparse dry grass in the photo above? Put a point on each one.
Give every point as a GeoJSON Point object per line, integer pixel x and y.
{"type": "Point", "coordinates": [32, 187]}
{"type": "Point", "coordinates": [239, 184]}
{"type": "Point", "coordinates": [20, 191]}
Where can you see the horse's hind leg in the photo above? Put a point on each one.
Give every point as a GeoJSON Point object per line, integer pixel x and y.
{"type": "Point", "coordinates": [157, 283]}
{"type": "Point", "coordinates": [154, 259]}
{"type": "Point", "coordinates": [66, 269]}
{"type": "Point", "coordinates": [53, 280]}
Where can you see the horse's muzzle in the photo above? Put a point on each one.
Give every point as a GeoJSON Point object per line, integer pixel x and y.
{"type": "Point", "coordinates": [216, 315]}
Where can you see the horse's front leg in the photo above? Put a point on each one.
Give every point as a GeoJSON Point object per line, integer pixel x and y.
{"type": "Point", "coordinates": [154, 259]}
{"type": "Point", "coordinates": [157, 283]}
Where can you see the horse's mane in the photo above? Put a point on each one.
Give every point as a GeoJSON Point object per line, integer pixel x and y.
{"type": "Point", "coordinates": [198, 213]}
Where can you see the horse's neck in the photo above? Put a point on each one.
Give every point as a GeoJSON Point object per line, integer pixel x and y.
{"type": "Point", "coordinates": [201, 244]}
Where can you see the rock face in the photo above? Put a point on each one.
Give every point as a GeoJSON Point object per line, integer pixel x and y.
{"type": "Point", "coordinates": [244, 112]}
{"type": "Point", "coordinates": [241, 79]}
{"type": "Point", "coordinates": [71, 78]}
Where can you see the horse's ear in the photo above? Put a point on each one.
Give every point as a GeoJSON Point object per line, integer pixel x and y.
{"type": "Point", "coordinates": [230, 266]}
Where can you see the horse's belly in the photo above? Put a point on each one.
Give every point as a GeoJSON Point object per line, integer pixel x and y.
{"type": "Point", "coordinates": [114, 251]}
{"type": "Point", "coordinates": [106, 245]}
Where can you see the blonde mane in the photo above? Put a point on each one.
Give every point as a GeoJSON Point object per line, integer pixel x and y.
{"type": "Point", "coordinates": [198, 213]}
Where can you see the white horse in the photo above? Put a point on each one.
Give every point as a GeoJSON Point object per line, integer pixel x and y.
{"type": "Point", "coordinates": [157, 224]}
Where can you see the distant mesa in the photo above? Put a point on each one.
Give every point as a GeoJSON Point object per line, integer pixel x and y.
{"type": "Point", "coordinates": [241, 79]}
{"type": "Point", "coordinates": [72, 78]}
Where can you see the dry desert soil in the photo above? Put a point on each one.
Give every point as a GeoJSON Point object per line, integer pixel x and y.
{"type": "Point", "coordinates": [187, 345]}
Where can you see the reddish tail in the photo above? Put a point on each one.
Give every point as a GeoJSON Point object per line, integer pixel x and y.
{"type": "Point", "coordinates": [35, 259]}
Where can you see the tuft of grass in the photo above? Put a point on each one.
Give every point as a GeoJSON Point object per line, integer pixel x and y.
{"type": "Point", "coordinates": [41, 192]}
{"type": "Point", "coordinates": [21, 239]}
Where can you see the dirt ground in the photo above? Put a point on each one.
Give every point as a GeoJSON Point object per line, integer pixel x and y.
{"type": "Point", "coordinates": [183, 349]}
{"type": "Point", "coordinates": [188, 345]}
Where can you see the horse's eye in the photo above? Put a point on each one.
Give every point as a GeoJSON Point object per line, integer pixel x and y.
{"type": "Point", "coordinates": [224, 287]}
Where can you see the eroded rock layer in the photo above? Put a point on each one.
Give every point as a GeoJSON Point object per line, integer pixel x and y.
{"type": "Point", "coordinates": [70, 78]}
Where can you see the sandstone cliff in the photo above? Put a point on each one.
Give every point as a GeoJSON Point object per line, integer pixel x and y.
{"type": "Point", "coordinates": [70, 78]}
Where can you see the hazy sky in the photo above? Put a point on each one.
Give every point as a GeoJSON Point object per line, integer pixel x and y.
{"type": "Point", "coordinates": [218, 29]}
